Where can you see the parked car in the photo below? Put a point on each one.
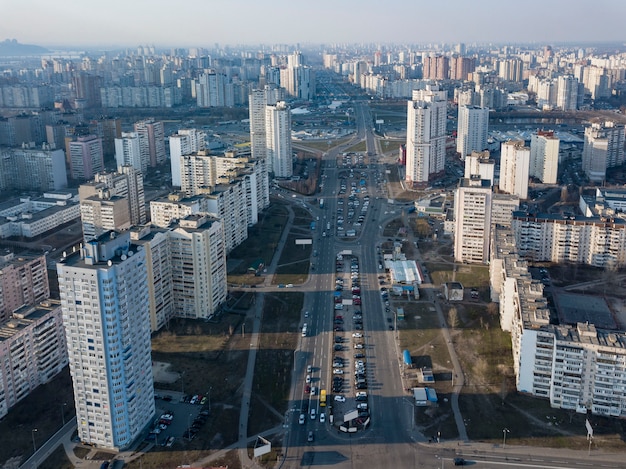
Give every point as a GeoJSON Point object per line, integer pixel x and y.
{"type": "Point", "coordinates": [340, 399]}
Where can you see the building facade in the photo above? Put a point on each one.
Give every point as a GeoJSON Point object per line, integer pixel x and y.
{"type": "Point", "coordinates": [426, 135]}
{"type": "Point", "coordinates": [544, 156]}
{"type": "Point", "coordinates": [514, 168]}
{"type": "Point", "coordinates": [278, 139]}
{"type": "Point", "coordinates": [473, 125]}
{"type": "Point", "coordinates": [472, 215]}
{"type": "Point", "coordinates": [86, 157]}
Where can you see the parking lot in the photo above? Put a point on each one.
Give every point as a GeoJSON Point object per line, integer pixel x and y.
{"type": "Point", "coordinates": [176, 419]}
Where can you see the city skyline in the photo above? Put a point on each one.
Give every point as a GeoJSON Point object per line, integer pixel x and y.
{"type": "Point", "coordinates": [245, 22]}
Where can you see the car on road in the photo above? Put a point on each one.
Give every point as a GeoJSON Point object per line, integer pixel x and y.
{"type": "Point", "coordinates": [340, 399]}
{"type": "Point", "coordinates": [313, 390]}
{"type": "Point", "coordinates": [307, 379]}
{"type": "Point", "coordinates": [322, 417]}
{"type": "Point", "coordinates": [313, 414]}
{"type": "Point", "coordinates": [459, 462]}
{"type": "Point", "coordinates": [309, 368]}
{"type": "Point", "coordinates": [306, 314]}
{"type": "Point", "coordinates": [307, 389]}
{"type": "Point", "coordinates": [310, 437]}
{"type": "Point", "coordinates": [301, 419]}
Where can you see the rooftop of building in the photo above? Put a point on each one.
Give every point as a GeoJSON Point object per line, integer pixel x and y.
{"type": "Point", "coordinates": [573, 308]}
{"type": "Point", "coordinates": [25, 317]}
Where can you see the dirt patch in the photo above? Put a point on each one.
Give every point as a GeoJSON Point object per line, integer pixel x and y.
{"type": "Point", "coordinates": [162, 374]}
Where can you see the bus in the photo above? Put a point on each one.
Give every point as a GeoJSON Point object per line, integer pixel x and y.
{"type": "Point", "coordinates": [322, 397]}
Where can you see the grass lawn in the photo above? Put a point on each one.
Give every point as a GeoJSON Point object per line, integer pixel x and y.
{"type": "Point", "coordinates": [359, 147]}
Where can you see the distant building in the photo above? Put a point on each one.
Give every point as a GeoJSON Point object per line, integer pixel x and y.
{"type": "Point", "coordinates": [184, 142]}
{"type": "Point", "coordinates": [514, 168]}
{"type": "Point", "coordinates": [480, 163]}
{"type": "Point", "coordinates": [278, 139]}
{"type": "Point", "coordinates": [473, 125]}
{"type": "Point", "coordinates": [128, 152]}
{"type": "Point", "coordinates": [544, 156]}
{"type": "Point", "coordinates": [86, 157]}
{"type": "Point", "coordinates": [426, 135]}
{"type": "Point", "coordinates": [30, 169]}
{"type": "Point", "coordinates": [603, 148]}
{"type": "Point", "coordinates": [151, 141]}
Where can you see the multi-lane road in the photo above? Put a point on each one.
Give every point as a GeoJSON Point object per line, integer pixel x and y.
{"type": "Point", "coordinates": [391, 439]}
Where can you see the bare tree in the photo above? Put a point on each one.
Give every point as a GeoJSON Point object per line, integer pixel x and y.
{"type": "Point", "coordinates": [453, 317]}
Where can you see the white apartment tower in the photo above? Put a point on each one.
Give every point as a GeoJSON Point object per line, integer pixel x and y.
{"type": "Point", "coordinates": [113, 201]}
{"type": "Point", "coordinates": [185, 142]}
{"type": "Point", "coordinates": [514, 168]}
{"type": "Point", "coordinates": [567, 93]}
{"type": "Point", "coordinates": [603, 148]}
{"type": "Point", "coordinates": [151, 141]}
{"type": "Point", "coordinates": [426, 135]}
{"type": "Point", "coordinates": [198, 266]}
{"type": "Point", "coordinates": [104, 297]}
{"type": "Point", "coordinates": [472, 129]}
{"type": "Point", "coordinates": [479, 163]}
{"type": "Point", "coordinates": [258, 100]}
{"type": "Point", "coordinates": [544, 156]}
{"type": "Point", "coordinates": [128, 152]}
{"type": "Point", "coordinates": [278, 139]}
{"type": "Point", "coordinates": [472, 220]}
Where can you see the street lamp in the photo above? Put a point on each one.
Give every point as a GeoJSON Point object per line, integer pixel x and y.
{"type": "Point", "coordinates": [210, 388]}
{"type": "Point", "coordinates": [182, 384]}
{"type": "Point", "coordinates": [32, 433]}
{"type": "Point", "coordinates": [63, 412]}
{"type": "Point", "coordinates": [189, 427]}
{"type": "Point", "coordinates": [504, 432]}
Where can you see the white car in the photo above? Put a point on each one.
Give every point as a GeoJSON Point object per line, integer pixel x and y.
{"type": "Point", "coordinates": [359, 346]}
{"type": "Point", "coordinates": [340, 399]}
{"type": "Point", "coordinates": [337, 371]}
{"type": "Point", "coordinates": [322, 417]}
{"type": "Point", "coordinates": [357, 335]}
{"type": "Point", "coordinates": [301, 419]}
{"type": "Point", "coordinates": [309, 368]}
{"type": "Point", "coordinates": [307, 379]}
{"type": "Point", "coordinates": [312, 414]}
{"type": "Point", "coordinates": [306, 314]}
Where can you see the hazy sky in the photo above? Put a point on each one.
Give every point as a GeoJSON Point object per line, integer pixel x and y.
{"type": "Point", "coordinates": [186, 23]}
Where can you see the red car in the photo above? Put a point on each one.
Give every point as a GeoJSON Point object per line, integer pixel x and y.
{"type": "Point", "coordinates": [307, 389]}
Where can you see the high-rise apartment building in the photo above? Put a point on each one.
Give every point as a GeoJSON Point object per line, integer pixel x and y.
{"type": "Point", "coordinates": [214, 90]}
{"type": "Point", "coordinates": [511, 70]}
{"type": "Point", "coordinates": [544, 156]}
{"type": "Point", "coordinates": [23, 281]}
{"type": "Point", "coordinates": [112, 201]}
{"type": "Point", "coordinates": [514, 168]}
{"type": "Point", "coordinates": [472, 220]}
{"type": "Point", "coordinates": [184, 142]}
{"type": "Point", "coordinates": [278, 139]}
{"type": "Point", "coordinates": [479, 163]}
{"type": "Point", "coordinates": [461, 67]}
{"type": "Point", "coordinates": [105, 301]}
{"type": "Point", "coordinates": [32, 351]}
{"type": "Point", "coordinates": [473, 125]}
{"type": "Point", "coordinates": [436, 68]}
{"type": "Point", "coordinates": [86, 157]}
{"type": "Point", "coordinates": [603, 148]}
{"type": "Point", "coordinates": [198, 266]}
{"type": "Point", "coordinates": [29, 169]}
{"type": "Point", "coordinates": [128, 152]}
{"type": "Point", "coordinates": [151, 141]}
{"type": "Point", "coordinates": [426, 135]}
{"type": "Point", "coordinates": [258, 101]}
{"type": "Point", "coordinates": [567, 93]}
{"type": "Point", "coordinates": [228, 203]}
